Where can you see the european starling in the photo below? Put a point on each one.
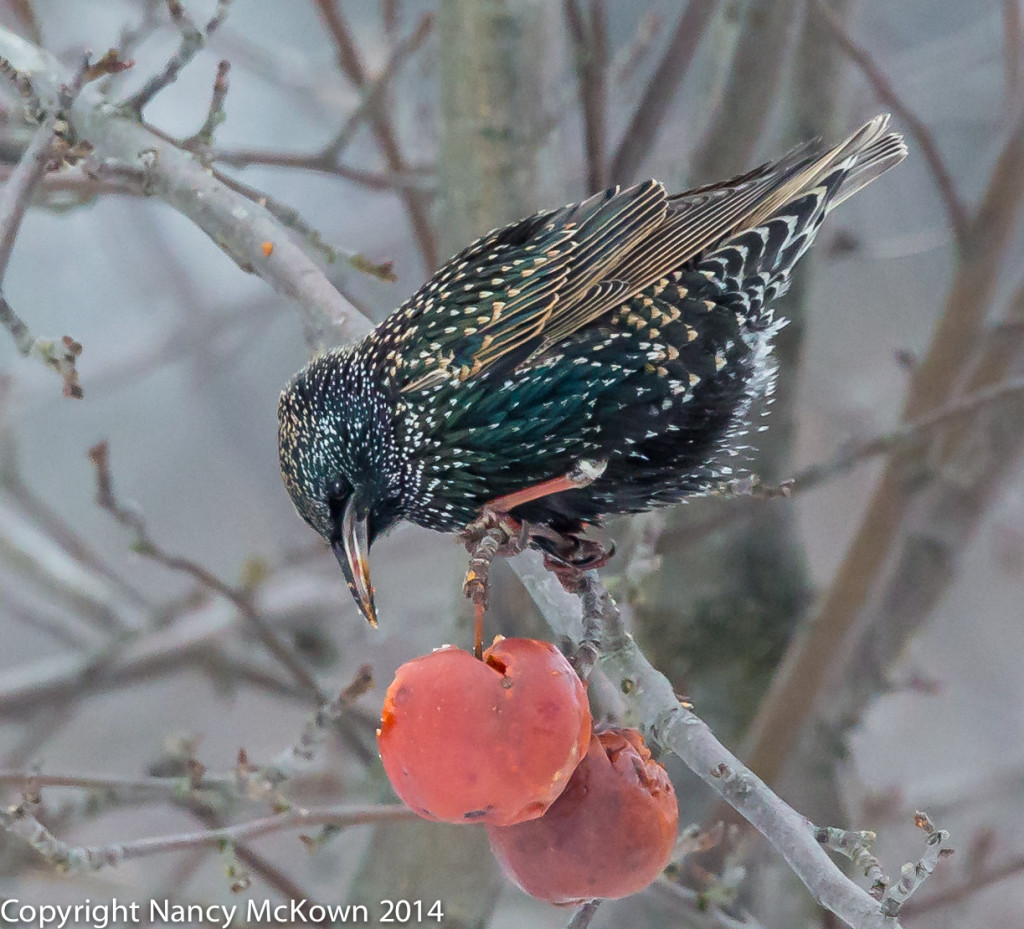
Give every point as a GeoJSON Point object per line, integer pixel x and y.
{"type": "Point", "coordinates": [631, 331]}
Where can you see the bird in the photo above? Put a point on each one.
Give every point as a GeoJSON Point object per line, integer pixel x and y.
{"type": "Point", "coordinates": [625, 337]}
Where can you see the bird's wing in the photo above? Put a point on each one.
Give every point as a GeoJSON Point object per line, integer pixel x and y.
{"type": "Point", "coordinates": [516, 293]}
{"type": "Point", "coordinates": [496, 301]}
{"type": "Point", "coordinates": [700, 219]}
{"type": "Point", "coordinates": [799, 188]}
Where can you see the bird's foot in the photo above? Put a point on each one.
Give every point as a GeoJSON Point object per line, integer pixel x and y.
{"type": "Point", "coordinates": [493, 533]}
{"type": "Point", "coordinates": [569, 557]}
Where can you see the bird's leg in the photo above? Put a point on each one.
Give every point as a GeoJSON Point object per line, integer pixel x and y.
{"type": "Point", "coordinates": [504, 537]}
{"type": "Point", "coordinates": [581, 474]}
{"type": "Point", "coordinates": [495, 532]}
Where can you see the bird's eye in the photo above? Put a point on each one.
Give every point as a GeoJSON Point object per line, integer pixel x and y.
{"type": "Point", "coordinates": [339, 489]}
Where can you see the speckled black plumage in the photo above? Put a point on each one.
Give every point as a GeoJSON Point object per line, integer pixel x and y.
{"type": "Point", "coordinates": [634, 327]}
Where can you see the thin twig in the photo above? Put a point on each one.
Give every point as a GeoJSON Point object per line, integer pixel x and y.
{"type": "Point", "coordinates": [590, 49]}
{"type": "Point", "coordinates": [584, 915]}
{"type": "Point", "coordinates": [17, 193]}
{"type": "Point", "coordinates": [21, 821]}
{"type": "Point", "coordinates": [1013, 51]}
{"type": "Point", "coordinates": [144, 545]}
{"type": "Point", "coordinates": [914, 874]}
{"type": "Point", "coordinates": [54, 525]}
{"type": "Point", "coordinates": [131, 38]}
{"type": "Point", "coordinates": [649, 115]}
{"type": "Point", "coordinates": [192, 40]}
{"type": "Point", "coordinates": [269, 873]}
{"type": "Point", "coordinates": [351, 64]}
{"type": "Point", "coordinates": [955, 208]}
{"type": "Point", "coordinates": [313, 732]}
{"type": "Point", "coordinates": [244, 230]}
{"type": "Point", "coordinates": [376, 93]}
{"type": "Point", "coordinates": [957, 893]}
{"type": "Point", "coordinates": [215, 115]}
{"type": "Point", "coordinates": [845, 459]}
{"type": "Point", "coordinates": [419, 179]}
{"type": "Point", "coordinates": [14, 201]}
{"type": "Point", "coordinates": [30, 782]}
{"type": "Point", "coordinates": [857, 846]}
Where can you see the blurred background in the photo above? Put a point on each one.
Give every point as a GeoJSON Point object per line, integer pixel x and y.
{"type": "Point", "coordinates": [859, 642]}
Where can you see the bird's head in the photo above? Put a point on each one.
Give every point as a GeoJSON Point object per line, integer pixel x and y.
{"type": "Point", "coordinates": [340, 462]}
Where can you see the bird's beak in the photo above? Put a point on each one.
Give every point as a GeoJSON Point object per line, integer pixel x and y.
{"type": "Point", "coordinates": [351, 548]}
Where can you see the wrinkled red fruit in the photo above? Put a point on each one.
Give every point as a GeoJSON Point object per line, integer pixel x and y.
{"type": "Point", "coordinates": [609, 834]}
{"type": "Point", "coordinates": [491, 741]}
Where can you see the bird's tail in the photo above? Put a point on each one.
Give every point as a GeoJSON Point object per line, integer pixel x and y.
{"type": "Point", "coordinates": [874, 152]}
{"type": "Point", "coordinates": [865, 155]}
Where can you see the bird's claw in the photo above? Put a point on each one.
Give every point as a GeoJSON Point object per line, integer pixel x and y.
{"type": "Point", "coordinates": [491, 534]}
{"type": "Point", "coordinates": [507, 531]}
{"type": "Point", "coordinates": [571, 557]}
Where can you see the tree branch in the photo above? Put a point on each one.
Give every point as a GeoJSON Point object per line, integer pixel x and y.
{"type": "Point", "coordinates": [351, 64]}
{"type": "Point", "coordinates": [589, 37]}
{"type": "Point", "coordinates": [738, 122]}
{"type": "Point", "coordinates": [655, 708]}
{"type": "Point", "coordinates": [14, 201]}
{"type": "Point", "coordinates": [192, 41]}
{"type": "Point", "coordinates": [203, 139]}
{"type": "Point", "coordinates": [144, 545]}
{"type": "Point", "coordinates": [238, 226]}
{"type": "Point", "coordinates": [376, 92]}
{"type": "Point", "coordinates": [20, 821]}
{"type": "Point", "coordinates": [846, 458]}
{"type": "Point", "coordinates": [955, 209]}
{"type": "Point", "coordinates": [649, 114]}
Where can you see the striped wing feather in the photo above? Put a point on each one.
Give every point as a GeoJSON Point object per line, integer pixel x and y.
{"type": "Point", "coordinates": [531, 285]}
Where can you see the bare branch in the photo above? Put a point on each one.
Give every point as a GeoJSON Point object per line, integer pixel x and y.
{"type": "Point", "coordinates": [917, 431]}
{"type": "Point", "coordinates": [304, 750]}
{"type": "Point", "coordinates": [673, 726]}
{"type": "Point", "coordinates": [31, 782]}
{"type": "Point", "coordinates": [192, 40]}
{"type": "Point", "coordinates": [739, 119]}
{"type": "Point", "coordinates": [14, 201]}
{"type": "Point", "coordinates": [589, 37]}
{"type": "Point", "coordinates": [957, 893]}
{"type": "Point", "coordinates": [914, 874]}
{"type": "Point", "coordinates": [654, 102]}
{"type": "Point", "coordinates": [17, 192]}
{"type": "Point", "coordinates": [53, 524]}
{"type": "Point", "coordinates": [351, 63]}
{"type": "Point", "coordinates": [374, 95]}
{"type": "Point", "coordinates": [409, 179]}
{"type": "Point", "coordinates": [1013, 50]}
{"type": "Point", "coordinates": [292, 219]}
{"type": "Point", "coordinates": [240, 227]}
{"type": "Point", "coordinates": [203, 139]}
{"type": "Point", "coordinates": [144, 545]}
{"type": "Point", "coordinates": [20, 821]}
{"type": "Point", "coordinates": [955, 208]}
{"type": "Point", "coordinates": [846, 458]}
{"type": "Point", "coordinates": [857, 847]}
